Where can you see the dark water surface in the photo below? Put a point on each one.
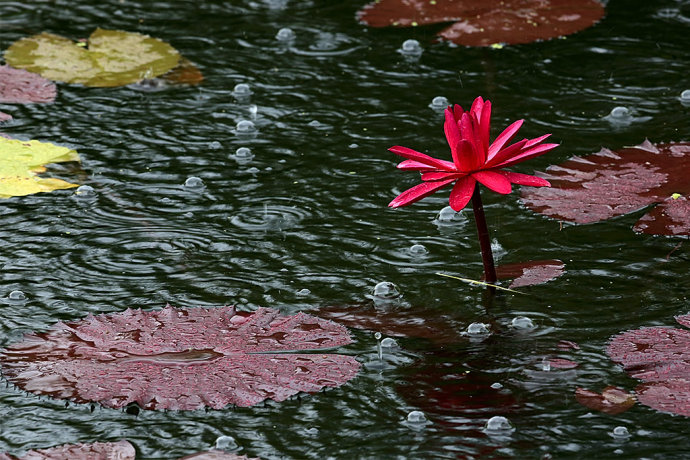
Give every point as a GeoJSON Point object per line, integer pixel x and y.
{"type": "Point", "coordinates": [304, 224]}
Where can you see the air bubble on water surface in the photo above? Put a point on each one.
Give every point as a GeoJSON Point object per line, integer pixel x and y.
{"type": "Point", "coordinates": [242, 90]}
{"type": "Point", "coordinates": [418, 250]}
{"type": "Point", "coordinates": [285, 35]}
{"type": "Point", "coordinates": [447, 216]}
{"type": "Point", "coordinates": [215, 145]}
{"type": "Point", "coordinates": [85, 191]}
{"type": "Point", "coordinates": [389, 343]}
{"type": "Point", "coordinates": [545, 365]}
{"type": "Point", "coordinates": [620, 113]}
{"type": "Point", "coordinates": [194, 182]}
{"type": "Point", "coordinates": [416, 417]}
{"type": "Point", "coordinates": [439, 103]}
{"type": "Point", "coordinates": [386, 290]}
{"type": "Point", "coordinates": [478, 330]}
{"type": "Point", "coordinates": [243, 155]}
{"type": "Point", "coordinates": [498, 426]}
{"type": "Point", "coordinates": [303, 292]}
{"type": "Point", "coordinates": [685, 97]}
{"type": "Point", "coordinates": [226, 443]}
{"type": "Point", "coordinates": [620, 433]}
{"type": "Point", "coordinates": [497, 386]}
{"type": "Point", "coordinates": [522, 323]}
{"type": "Point", "coordinates": [253, 110]}
{"type": "Point", "coordinates": [411, 48]}
{"type": "Point", "coordinates": [16, 296]}
{"type": "Point", "coordinates": [245, 127]}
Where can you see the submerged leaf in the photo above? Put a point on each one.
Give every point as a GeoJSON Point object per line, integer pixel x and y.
{"type": "Point", "coordinates": [488, 22]}
{"type": "Point", "coordinates": [611, 401]}
{"type": "Point", "coordinates": [19, 86]}
{"type": "Point", "coordinates": [20, 161]}
{"type": "Point", "coordinates": [609, 184]}
{"type": "Point", "coordinates": [531, 273]}
{"type": "Point", "coordinates": [111, 57]}
{"type": "Point", "coordinates": [155, 358]}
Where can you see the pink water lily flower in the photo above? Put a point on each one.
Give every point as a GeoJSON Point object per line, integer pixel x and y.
{"type": "Point", "coordinates": [474, 159]}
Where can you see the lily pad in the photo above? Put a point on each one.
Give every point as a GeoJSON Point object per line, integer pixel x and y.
{"type": "Point", "coordinates": [120, 450]}
{"type": "Point", "coordinates": [612, 400]}
{"type": "Point", "coordinates": [18, 86]}
{"type": "Point", "coordinates": [109, 57]}
{"type": "Point", "coordinates": [530, 273]}
{"type": "Point", "coordinates": [488, 22]}
{"type": "Point", "coordinates": [156, 358]}
{"type": "Point", "coordinates": [659, 356]}
{"type": "Point", "coordinates": [609, 184]}
{"type": "Point", "coordinates": [5, 117]}
{"type": "Point", "coordinates": [21, 161]}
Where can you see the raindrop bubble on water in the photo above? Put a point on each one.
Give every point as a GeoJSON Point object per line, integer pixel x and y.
{"type": "Point", "coordinates": [303, 292]}
{"type": "Point", "coordinates": [439, 103]}
{"type": "Point", "coordinates": [226, 443]}
{"type": "Point", "coordinates": [448, 216]}
{"type": "Point", "coordinates": [253, 110]}
{"type": "Point", "coordinates": [498, 425]}
{"type": "Point", "coordinates": [497, 386]}
{"type": "Point", "coordinates": [285, 35]}
{"type": "Point", "coordinates": [85, 191]}
{"type": "Point", "coordinates": [245, 127]}
{"type": "Point", "coordinates": [477, 329]}
{"type": "Point", "coordinates": [16, 296]}
{"type": "Point", "coordinates": [411, 48]}
{"type": "Point", "coordinates": [242, 90]}
{"type": "Point", "coordinates": [193, 182]}
{"type": "Point", "coordinates": [215, 145]}
{"type": "Point", "coordinates": [620, 113]}
{"type": "Point", "coordinates": [685, 97]}
{"type": "Point", "coordinates": [418, 250]}
{"type": "Point", "coordinates": [545, 365]}
{"type": "Point", "coordinates": [522, 323]}
{"type": "Point", "coordinates": [386, 290]}
{"type": "Point", "coordinates": [620, 432]}
{"type": "Point", "coordinates": [416, 417]}
{"type": "Point", "coordinates": [243, 155]}
{"type": "Point", "coordinates": [388, 343]}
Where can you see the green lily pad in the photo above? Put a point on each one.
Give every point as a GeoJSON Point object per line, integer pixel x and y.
{"type": "Point", "coordinates": [21, 161]}
{"type": "Point", "coordinates": [108, 58]}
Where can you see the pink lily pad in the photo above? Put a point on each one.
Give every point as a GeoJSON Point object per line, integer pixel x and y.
{"type": "Point", "coordinates": [660, 357]}
{"type": "Point", "coordinates": [567, 345]}
{"type": "Point", "coordinates": [19, 86]}
{"type": "Point", "coordinates": [487, 22]}
{"type": "Point", "coordinates": [611, 401]}
{"type": "Point", "coordinates": [562, 363]}
{"type": "Point", "coordinates": [120, 450]}
{"type": "Point", "coordinates": [156, 358]}
{"type": "Point", "coordinates": [5, 117]}
{"type": "Point", "coordinates": [609, 184]}
{"type": "Point", "coordinates": [530, 273]}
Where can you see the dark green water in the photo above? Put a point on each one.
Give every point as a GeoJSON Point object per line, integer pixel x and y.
{"type": "Point", "coordinates": [309, 212]}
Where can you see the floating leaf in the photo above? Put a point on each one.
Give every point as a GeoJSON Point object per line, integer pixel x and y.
{"type": "Point", "coordinates": [561, 363]}
{"type": "Point", "coordinates": [611, 401]}
{"type": "Point", "coordinates": [20, 161]}
{"type": "Point", "coordinates": [121, 450]}
{"type": "Point", "coordinates": [609, 184]}
{"type": "Point", "coordinates": [110, 57]}
{"type": "Point", "coordinates": [530, 273]}
{"type": "Point", "coordinates": [155, 358]}
{"type": "Point", "coordinates": [5, 117]}
{"type": "Point", "coordinates": [19, 86]}
{"type": "Point", "coordinates": [488, 22]}
{"type": "Point", "coordinates": [659, 356]}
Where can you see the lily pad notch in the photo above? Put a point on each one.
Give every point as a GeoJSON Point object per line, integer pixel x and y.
{"type": "Point", "coordinates": [181, 359]}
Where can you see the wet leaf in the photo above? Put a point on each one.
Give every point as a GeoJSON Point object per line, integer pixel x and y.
{"type": "Point", "coordinates": [120, 450]}
{"type": "Point", "coordinates": [530, 273]}
{"type": "Point", "coordinates": [5, 117]}
{"type": "Point", "coordinates": [155, 358]}
{"type": "Point", "coordinates": [611, 401]}
{"type": "Point", "coordinates": [19, 86]}
{"type": "Point", "coordinates": [609, 184]}
{"type": "Point", "coordinates": [488, 22]}
{"type": "Point", "coordinates": [110, 58]}
{"type": "Point", "coordinates": [659, 356]}
{"type": "Point", "coordinates": [562, 363]}
{"type": "Point", "coordinates": [21, 161]}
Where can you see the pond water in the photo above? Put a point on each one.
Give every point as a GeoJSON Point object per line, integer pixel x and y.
{"type": "Point", "coordinates": [301, 224]}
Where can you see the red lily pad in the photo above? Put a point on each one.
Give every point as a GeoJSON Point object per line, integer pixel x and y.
{"type": "Point", "coordinates": [120, 450]}
{"type": "Point", "coordinates": [155, 358]}
{"type": "Point", "coordinates": [5, 117]}
{"type": "Point", "coordinates": [530, 273]}
{"type": "Point", "coordinates": [659, 356]}
{"type": "Point", "coordinates": [609, 184]}
{"type": "Point", "coordinates": [562, 363]}
{"type": "Point", "coordinates": [18, 86]}
{"type": "Point", "coordinates": [611, 401]}
{"type": "Point", "coordinates": [486, 22]}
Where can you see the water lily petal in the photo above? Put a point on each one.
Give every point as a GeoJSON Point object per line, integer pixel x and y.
{"type": "Point", "coordinates": [462, 193]}
{"type": "Point", "coordinates": [507, 153]}
{"type": "Point", "coordinates": [418, 192]}
{"type": "Point", "coordinates": [457, 112]}
{"type": "Point", "coordinates": [537, 140]}
{"type": "Point", "coordinates": [467, 157]}
{"type": "Point", "coordinates": [436, 175]}
{"type": "Point", "coordinates": [452, 135]}
{"type": "Point", "coordinates": [485, 126]}
{"type": "Point", "coordinates": [411, 165]}
{"type": "Point", "coordinates": [494, 180]}
{"type": "Point", "coordinates": [503, 138]}
{"type": "Point", "coordinates": [527, 154]}
{"type": "Point", "coordinates": [420, 157]}
{"type": "Point", "coordinates": [525, 179]}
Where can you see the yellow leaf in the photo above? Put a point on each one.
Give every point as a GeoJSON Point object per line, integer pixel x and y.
{"type": "Point", "coordinates": [21, 161]}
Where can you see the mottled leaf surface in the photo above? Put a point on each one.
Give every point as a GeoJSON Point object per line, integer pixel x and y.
{"type": "Point", "coordinates": [530, 273]}
{"type": "Point", "coordinates": [181, 358]}
{"type": "Point", "coordinates": [110, 57]}
{"type": "Point", "coordinates": [121, 450]}
{"type": "Point", "coordinates": [612, 400]}
{"type": "Point", "coordinates": [609, 184]}
{"type": "Point", "coordinates": [486, 22]}
{"type": "Point", "coordinates": [659, 356]}
{"type": "Point", "coordinates": [18, 86]}
{"type": "Point", "coordinates": [21, 161]}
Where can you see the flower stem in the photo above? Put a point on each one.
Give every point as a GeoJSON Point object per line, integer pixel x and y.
{"type": "Point", "coordinates": [483, 233]}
